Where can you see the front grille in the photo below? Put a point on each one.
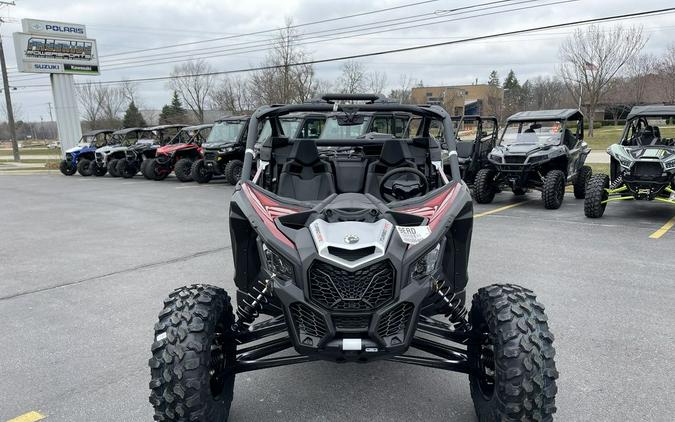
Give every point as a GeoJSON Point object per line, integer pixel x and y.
{"type": "Point", "coordinates": [307, 321]}
{"type": "Point", "coordinates": [647, 170]}
{"type": "Point", "coordinates": [343, 290]}
{"type": "Point", "coordinates": [351, 322]}
{"type": "Point", "coordinates": [395, 321]}
{"type": "Point", "coordinates": [351, 254]}
{"type": "Point", "coordinates": [514, 159]}
{"type": "Point", "coordinates": [210, 156]}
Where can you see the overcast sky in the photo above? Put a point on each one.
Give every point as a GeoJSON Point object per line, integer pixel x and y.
{"type": "Point", "coordinates": [121, 26]}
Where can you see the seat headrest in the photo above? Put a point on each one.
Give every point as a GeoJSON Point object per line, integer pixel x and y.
{"type": "Point", "coordinates": [394, 151]}
{"type": "Point", "coordinates": [304, 152]}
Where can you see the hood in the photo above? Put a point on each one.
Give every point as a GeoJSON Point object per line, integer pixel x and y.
{"type": "Point", "coordinates": [76, 149]}
{"type": "Point", "coordinates": [168, 149]}
{"type": "Point", "coordinates": [653, 153]}
{"type": "Point", "coordinates": [110, 148]}
{"type": "Point", "coordinates": [218, 145]}
{"type": "Point", "coordinates": [522, 149]}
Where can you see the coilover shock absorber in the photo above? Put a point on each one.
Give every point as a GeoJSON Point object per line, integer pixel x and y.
{"type": "Point", "coordinates": [253, 303]}
{"type": "Point", "coordinates": [455, 309]}
{"type": "Point", "coordinates": [617, 182]}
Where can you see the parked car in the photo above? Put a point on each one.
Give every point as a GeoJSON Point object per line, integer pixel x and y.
{"type": "Point", "coordinates": [81, 157]}
{"type": "Point", "coordinates": [107, 156]}
{"type": "Point", "coordinates": [642, 164]}
{"type": "Point", "coordinates": [179, 154]}
{"type": "Point", "coordinates": [542, 150]}
{"type": "Point", "coordinates": [378, 272]}
{"type": "Point", "coordinates": [138, 156]}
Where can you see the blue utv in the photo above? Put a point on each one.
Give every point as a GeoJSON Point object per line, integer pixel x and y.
{"type": "Point", "coordinates": [79, 158]}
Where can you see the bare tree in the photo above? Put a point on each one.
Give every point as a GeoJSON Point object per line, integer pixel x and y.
{"type": "Point", "coordinates": [113, 102]}
{"type": "Point", "coordinates": [376, 82]}
{"type": "Point", "coordinates": [193, 83]}
{"type": "Point", "coordinates": [591, 58]}
{"type": "Point", "coordinates": [284, 78]}
{"type": "Point", "coordinates": [402, 93]}
{"type": "Point", "coordinates": [639, 69]}
{"type": "Point", "coordinates": [353, 78]}
{"type": "Point", "coordinates": [232, 95]}
{"type": "Point", "coordinates": [129, 91]}
{"type": "Point", "coordinates": [545, 93]}
{"type": "Point", "coordinates": [667, 74]}
{"type": "Point", "coordinates": [91, 100]}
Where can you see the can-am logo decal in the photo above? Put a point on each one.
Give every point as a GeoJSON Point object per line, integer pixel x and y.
{"type": "Point", "coordinates": [350, 239]}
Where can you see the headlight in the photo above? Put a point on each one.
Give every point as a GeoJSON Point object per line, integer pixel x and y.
{"type": "Point", "coordinates": [670, 164]}
{"type": "Point", "coordinates": [227, 149]}
{"type": "Point", "coordinates": [495, 157]}
{"type": "Point", "coordinates": [537, 158]}
{"type": "Point", "coordinates": [277, 264]}
{"type": "Point", "coordinates": [426, 265]}
{"type": "Point", "coordinates": [625, 163]}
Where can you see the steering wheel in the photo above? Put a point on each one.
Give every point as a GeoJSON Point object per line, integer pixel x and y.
{"type": "Point", "coordinates": [398, 190]}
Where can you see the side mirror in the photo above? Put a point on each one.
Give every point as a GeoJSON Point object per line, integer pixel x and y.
{"type": "Point", "coordinates": [349, 120]}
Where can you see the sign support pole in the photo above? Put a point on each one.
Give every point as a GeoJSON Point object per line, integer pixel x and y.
{"type": "Point", "coordinates": [8, 101]}
{"type": "Point", "coordinates": [67, 115]}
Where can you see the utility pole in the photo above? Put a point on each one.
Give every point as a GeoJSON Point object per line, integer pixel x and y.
{"type": "Point", "coordinates": [8, 100]}
{"type": "Point", "coordinates": [8, 96]}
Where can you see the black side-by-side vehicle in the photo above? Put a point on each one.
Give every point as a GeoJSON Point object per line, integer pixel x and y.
{"type": "Point", "coordinates": [351, 250]}
{"type": "Point", "coordinates": [542, 150]}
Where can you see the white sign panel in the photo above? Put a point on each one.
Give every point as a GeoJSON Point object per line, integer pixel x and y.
{"type": "Point", "coordinates": [37, 53]}
{"type": "Point", "coordinates": [61, 29]}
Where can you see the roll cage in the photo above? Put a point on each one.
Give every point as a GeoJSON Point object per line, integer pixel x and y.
{"type": "Point", "coordinates": [332, 103]}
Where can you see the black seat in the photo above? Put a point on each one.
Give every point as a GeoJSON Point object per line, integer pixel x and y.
{"type": "Point", "coordinates": [464, 150]}
{"type": "Point", "coordinates": [395, 154]}
{"type": "Point", "coordinates": [304, 176]}
{"type": "Point", "coordinates": [647, 136]}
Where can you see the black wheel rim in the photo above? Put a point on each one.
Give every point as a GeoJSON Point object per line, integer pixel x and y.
{"type": "Point", "coordinates": [486, 367]}
{"type": "Point", "coordinates": [219, 361]}
{"type": "Point", "coordinates": [237, 173]}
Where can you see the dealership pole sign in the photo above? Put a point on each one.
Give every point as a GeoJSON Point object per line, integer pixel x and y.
{"type": "Point", "coordinates": [55, 47]}
{"type": "Point", "coordinates": [61, 50]}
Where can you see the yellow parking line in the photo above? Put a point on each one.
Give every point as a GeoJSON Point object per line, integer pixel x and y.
{"type": "Point", "coordinates": [496, 210]}
{"type": "Point", "coordinates": [663, 230]}
{"type": "Point", "coordinates": [28, 417]}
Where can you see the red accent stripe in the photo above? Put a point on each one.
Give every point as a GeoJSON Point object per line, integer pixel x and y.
{"type": "Point", "coordinates": [268, 210]}
{"type": "Point", "coordinates": [435, 208]}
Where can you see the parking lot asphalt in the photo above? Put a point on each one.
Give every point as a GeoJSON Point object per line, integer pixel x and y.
{"type": "Point", "coordinates": [86, 262]}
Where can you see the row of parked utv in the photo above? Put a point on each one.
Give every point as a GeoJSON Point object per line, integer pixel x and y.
{"type": "Point", "coordinates": [538, 150]}
{"type": "Point", "coordinates": [191, 152]}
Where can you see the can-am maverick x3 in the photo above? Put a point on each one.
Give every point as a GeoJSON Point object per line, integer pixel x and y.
{"type": "Point", "coordinates": [353, 260]}
{"type": "Point", "coordinates": [642, 164]}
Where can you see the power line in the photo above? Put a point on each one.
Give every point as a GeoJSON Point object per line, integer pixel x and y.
{"type": "Point", "coordinates": [264, 31]}
{"type": "Point", "coordinates": [170, 58]}
{"type": "Point", "coordinates": [402, 49]}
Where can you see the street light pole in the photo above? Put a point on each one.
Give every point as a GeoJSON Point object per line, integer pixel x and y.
{"type": "Point", "coordinates": [8, 101]}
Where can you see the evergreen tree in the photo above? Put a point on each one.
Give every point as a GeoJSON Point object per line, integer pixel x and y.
{"type": "Point", "coordinates": [511, 81]}
{"type": "Point", "coordinates": [173, 112]}
{"type": "Point", "coordinates": [133, 117]}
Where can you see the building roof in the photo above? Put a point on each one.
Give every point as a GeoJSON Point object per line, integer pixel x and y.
{"type": "Point", "coordinates": [543, 115]}
{"type": "Point", "coordinates": [652, 110]}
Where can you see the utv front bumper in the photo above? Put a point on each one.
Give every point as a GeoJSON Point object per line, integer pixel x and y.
{"type": "Point", "coordinates": [351, 316]}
